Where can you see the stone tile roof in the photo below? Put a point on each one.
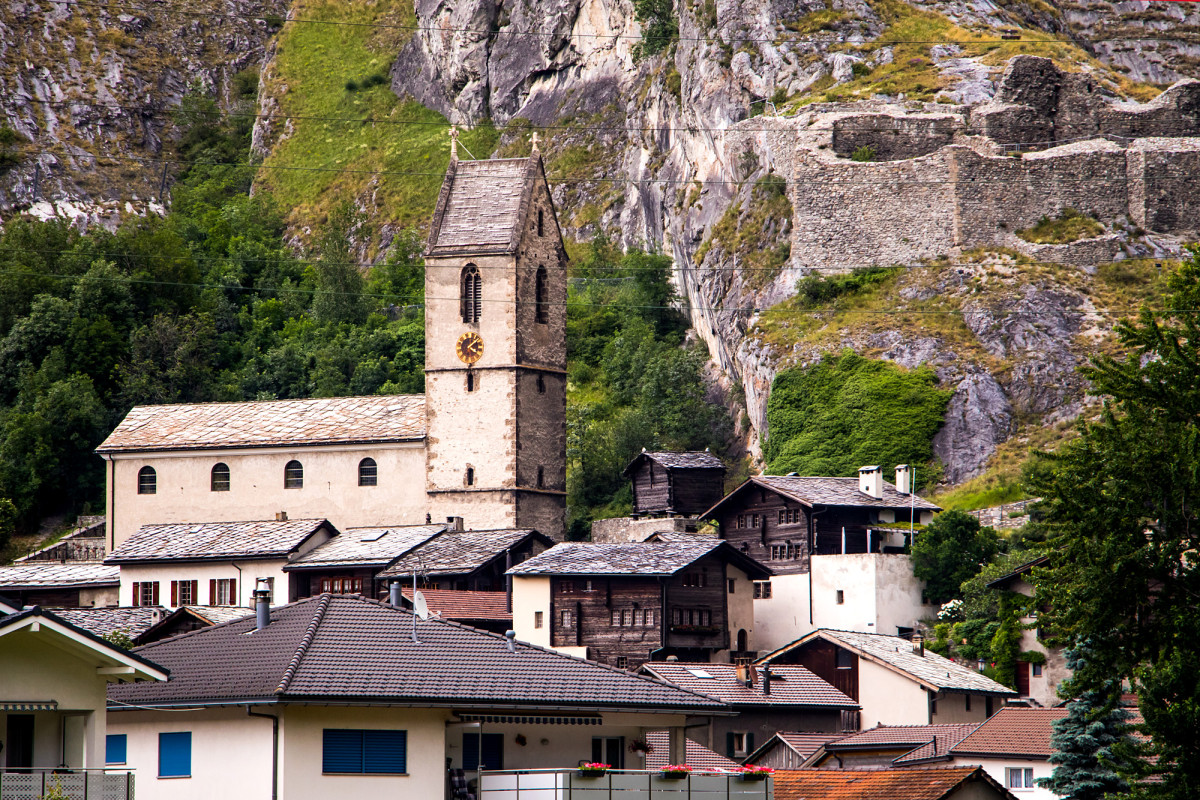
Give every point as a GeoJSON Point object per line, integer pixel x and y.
{"type": "Point", "coordinates": [696, 755]}
{"type": "Point", "coordinates": [462, 605]}
{"type": "Point", "coordinates": [366, 547]}
{"type": "Point", "coordinates": [622, 558]}
{"type": "Point", "coordinates": [1012, 731]}
{"type": "Point", "coordinates": [839, 492]}
{"type": "Point", "coordinates": [925, 741]}
{"type": "Point", "coordinates": [913, 783]}
{"type": "Point", "coordinates": [480, 206]}
{"type": "Point", "coordinates": [220, 614]}
{"type": "Point", "coordinates": [931, 670]}
{"type": "Point", "coordinates": [273, 423]}
{"type": "Point", "coordinates": [216, 540]}
{"type": "Point", "coordinates": [133, 621]}
{"type": "Point", "coordinates": [686, 460]}
{"type": "Point", "coordinates": [790, 685]}
{"type": "Point", "coordinates": [459, 552]}
{"type": "Point", "coordinates": [343, 648]}
{"type": "Point", "coordinates": [59, 576]}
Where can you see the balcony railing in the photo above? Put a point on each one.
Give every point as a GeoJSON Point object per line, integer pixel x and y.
{"type": "Point", "coordinates": [622, 784]}
{"type": "Point", "coordinates": [75, 784]}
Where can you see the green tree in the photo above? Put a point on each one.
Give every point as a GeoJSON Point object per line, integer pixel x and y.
{"type": "Point", "coordinates": [8, 521]}
{"type": "Point", "coordinates": [1120, 511]}
{"type": "Point", "coordinates": [950, 551]}
{"type": "Point", "coordinates": [339, 281]}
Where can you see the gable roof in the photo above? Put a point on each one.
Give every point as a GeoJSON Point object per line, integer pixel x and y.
{"type": "Point", "coordinates": [118, 664]}
{"type": "Point", "coordinates": [133, 621]}
{"type": "Point", "coordinates": [696, 755]}
{"type": "Point", "coordinates": [913, 783]}
{"type": "Point", "coordinates": [686, 460]}
{"type": "Point", "coordinates": [930, 670]}
{"type": "Point", "coordinates": [460, 552]}
{"type": "Point", "coordinates": [1013, 731]}
{"type": "Point", "coordinates": [72, 575]}
{"type": "Point", "coordinates": [217, 541]}
{"type": "Point", "coordinates": [803, 744]}
{"type": "Point", "coordinates": [660, 558]}
{"type": "Point", "coordinates": [482, 204]}
{"type": "Point", "coordinates": [366, 547]}
{"type": "Point", "coordinates": [464, 605]}
{"type": "Point", "coordinates": [343, 648]}
{"type": "Point", "coordinates": [271, 423]}
{"type": "Point", "coordinates": [202, 616]}
{"type": "Point", "coordinates": [791, 686]}
{"type": "Point", "coordinates": [822, 491]}
{"type": "Point", "coordinates": [922, 742]}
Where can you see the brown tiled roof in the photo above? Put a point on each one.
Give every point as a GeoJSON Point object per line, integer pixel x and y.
{"type": "Point", "coordinates": [790, 685]}
{"type": "Point", "coordinates": [366, 547]}
{"type": "Point", "coordinates": [696, 755]}
{"type": "Point", "coordinates": [818, 491]}
{"type": "Point", "coordinates": [59, 576]}
{"type": "Point", "coordinates": [480, 206]}
{"type": "Point", "coordinates": [924, 741]}
{"type": "Point", "coordinates": [463, 605]}
{"type": "Point", "coordinates": [343, 648]}
{"type": "Point", "coordinates": [1013, 731]}
{"type": "Point", "coordinates": [686, 460]}
{"type": "Point", "coordinates": [930, 669]}
{"type": "Point", "coordinates": [132, 621]}
{"type": "Point", "coordinates": [633, 558]}
{"type": "Point", "coordinates": [459, 552]}
{"type": "Point", "coordinates": [914, 783]}
{"type": "Point", "coordinates": [216, 540]}
{"type": "Point", "coordinates": [272, 423]}
{"type": "Point", "coordinates": [803, 744]}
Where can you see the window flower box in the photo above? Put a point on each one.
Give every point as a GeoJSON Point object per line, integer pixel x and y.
{"type": "Point", "coordinates": [753, 773]}
{"type": "Point", "coordinates": [676, 772]}
{"type": "Point", "coordinates": [593, 770]}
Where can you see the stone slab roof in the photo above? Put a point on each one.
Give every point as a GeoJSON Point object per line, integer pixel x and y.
{"type": "Point", "coordinates": [219, 614]}
{"type": "Point", "coordinates": [206, 541]}
{"type": "Point", "coordinates": [696, 755]}
{"type": "Point", "coordinates": [687, 460]}
{"type": "Point", "coordinates": [790, 685]}
{"type": "Point", "coordinates": [132, 621]}
{"type": "Point", "coordinates": [366, 547]}
{"type": "Point", "coordinates": [273, 423]}
{"type": "Point", "coordinates": [480, 206]}
{"type": "Point", "coordinates": [459, 552]}
{"type": "Point", "coordinates": [931, 670]}
{"type": "Point", "coordinates": [912, 783]}
{"type": "Point", "coordinates": [343, 648]}
{"type": "Point", "coordinates": [622, 558]}
{"type": "Point", "coordinates": [839, 492]}
{"type": "Point", "coordinates": [926, 741]}
{"type": "Point", "coordinates": [463, 605]}
{"type": "Point", "coordinates": [1012, 731]}
{"type": "Point", "coordinates": [59, 576]}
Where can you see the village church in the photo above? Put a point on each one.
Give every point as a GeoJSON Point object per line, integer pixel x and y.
{"type": "Point", "coordinates": [485, 445]}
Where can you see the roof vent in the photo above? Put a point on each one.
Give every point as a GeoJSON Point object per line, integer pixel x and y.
{"type": "Point", "coordinates": [672, 658]}
{"type": "Point", "coordinates": [918, 645]}
{"type": "Point", "coordinates": [262, 604]}
{"type": "Point", "coordinates": [394, 593]}
{"type": "Point", "coordinates": [281, 516]}
{"type": "Point", "coordinates": [510, 637]}
{"type": "Point", "coordinates": [870, 482]}
{"type": "Point", "coordinates": [455, 523]}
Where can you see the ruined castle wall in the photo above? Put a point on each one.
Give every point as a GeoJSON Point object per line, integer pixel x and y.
{"type": "Point", "coordinates": [1162, 194]}
{"type": "Point", "coordinates": [894, 137]}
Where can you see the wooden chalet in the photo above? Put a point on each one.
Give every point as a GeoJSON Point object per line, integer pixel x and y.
{"type": "Point", "coordinates": [466, 560]}
{"type": "Point", "coordinates": [675, 483]}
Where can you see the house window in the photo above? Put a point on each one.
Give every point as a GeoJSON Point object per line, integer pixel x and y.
{"type": "Point", "coordinates": [537, 619]}
{"type": "Point", "coordinates": [145, 593]}
{"type": "Point", "coordinates": [845, 659]}
{"type": "Point", "coordinates": [541, 222]}
{"type": "Point", "coordinates": [754, 520]}
{"type": "Point", "coordinates": [732, 585]}
{"type": "Point", "coordinates": [609, 750]}
{"type": "Point", "coordinates": [566, 587]}
{"type": "Point", "coordinates": [470, 381]}
{"type": "Point", "coordinates": [542, 311]}
{"type": "Point", "coordinates": [116, 745]}
{"type": "Point", "coordinates": [340, 585]}
{"type": "Point", "coordinates": [762, 590]}
{"type": "Point", "coordinates": [541, 477]}
{"type": "Point", "coordinates": [541, 385]}
{"type": "Point", "coordinates": [368, 472]}
{"type": "Point", "coordinates": [967, 699]}
{"type": "Point", "coordinates": [471, 294]}
{"type": "Point", "coordinates": [483, 751]}
{"type": "Point", "coordinates": [741, 520]}
{"type": "Point", "coordinates": [566, 619]}
{"type": "Point", "coordinates": [1037, 670]}
{"type": "Point", "coordinates": [470, 478]}
{"type": "Point", "coordinates": [293, 475]}
{"type": "Point", "coordinates": [649, 617]}
{"type": "Point", "coordinates": [622, 662]}
{"type": "Point", "coordinates": [175, 755]}
{"type": "Point", "coordinates": [147, 480]}
{"type": "Point", "coordinates": [1019, 777]}
{"type": "Point", "coordinates": [841, 597]}
{"type": "Point", "coordinates": [223, 592]}
{"type": "Point", "coordinates": [738, 743]}
{"type": "Point", "coordinates": [184, 593]}
{"type": "Point", "coordinates": [359, 752]}
{"type": "Point", "coordinates": [219, 479]}
{"type": "Point", "coordinates": [587, 586]}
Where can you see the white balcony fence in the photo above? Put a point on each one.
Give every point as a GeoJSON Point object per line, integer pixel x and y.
{"type": "Point", "coordinates": [75, 784]}
{"type": "Point", "coordinates": [625, 784]}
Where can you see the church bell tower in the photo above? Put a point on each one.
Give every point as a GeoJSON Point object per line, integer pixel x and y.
{"type": "Point", "coordinates": [495, 348]}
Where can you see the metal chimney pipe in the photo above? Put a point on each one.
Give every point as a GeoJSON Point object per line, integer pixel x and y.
{"type": "Point", "coordinates": [262, 604]}
{"type": "Point", "coordinates": [394, 593]}
{"type": "Point", "coordinates": [766, 679]}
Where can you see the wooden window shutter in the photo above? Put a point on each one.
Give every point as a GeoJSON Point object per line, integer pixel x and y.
{"type": "Point", "coordinates": [196, 592]}
{"type": "Point", "coordinates": [729, 744]}
{"type": "Point", "coordinates": [212, 592]}
{"type": "Point", "coordinates": [137, 593]}
{"type": "Point", "coordinates": [154, 593]}
{"type": "Point", "coordinates": [174, 593]}
{"type": "Point", "coordinates": [750, 739]}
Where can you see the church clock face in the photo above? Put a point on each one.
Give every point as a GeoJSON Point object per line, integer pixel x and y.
{"type": "Point", "coordinates": [469, 347]}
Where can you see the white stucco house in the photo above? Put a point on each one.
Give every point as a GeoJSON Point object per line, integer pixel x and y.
{"type": "Point", "coordinates": [1014, 748]}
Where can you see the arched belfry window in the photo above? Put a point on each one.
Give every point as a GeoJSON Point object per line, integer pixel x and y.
{"type": "Point", "coordinates": [293, 475]}
{"type": "Point", "coordinates": [147, 480]}
{"type": "Point", "coordinates": [219, 481]}
{"type": "Point", "coordinates": [539, 291]}
{"type": "Point", "coordinates": [368, 472]}
{"type": "Point", "coordinates": [471, 294]}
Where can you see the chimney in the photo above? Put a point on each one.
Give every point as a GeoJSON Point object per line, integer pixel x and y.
{"type": "Point", "coordinates": [455, 523]}
{"type": "Point", "coordinates": [903, 479]}
{"type": "Point", "coordinates": [262, 604]}
{"type": "Point", "coordinates": [870, 482]}
{"type": "Point", "coordinates": [741, 673]}
{"type": "Point", "coordinates": [766, 679]}
{"type": "Point", "coordinates": [918, 645]}
{"type": "Point", "coordinates": [394, 593]}
{"type": "Point", "coordinates": [281, 516]}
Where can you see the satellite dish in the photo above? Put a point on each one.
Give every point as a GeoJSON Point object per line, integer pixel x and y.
{"type": "Point", "coordinates": [420, 606]}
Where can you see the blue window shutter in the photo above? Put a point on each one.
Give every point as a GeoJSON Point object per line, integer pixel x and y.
{"type": "Point", "coordinates": [174, 755]}
{"type": "Point", "coordinates": [342, 751]}
{"type": "Point", "coordinates": [385, 751]}
{"type": "Point", "coordinates": [115, 748]}
{"type": "Point", "coordinates": [470, 751]}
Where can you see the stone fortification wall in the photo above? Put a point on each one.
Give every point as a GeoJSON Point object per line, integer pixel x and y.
{"type": "Point", "coordinates": [1162, 194]}
{"type": "Point", "coordinates": [893, 137]}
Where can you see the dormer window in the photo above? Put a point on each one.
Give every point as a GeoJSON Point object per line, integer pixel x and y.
{"type": "Point", "coordinates": [471, 294]}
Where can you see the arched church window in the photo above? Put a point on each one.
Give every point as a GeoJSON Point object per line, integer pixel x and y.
{"type": "Point", "coordinates": [147, 480]}
{"type": "Point", "coordinates": [219, 481]}
{"type": "Point", "coordinates": [368, 472]}
{"type": "Point", "coordinates": [543, 313]}
{"type": "Point", "coordinates": [293, 475]}
{"type": "Point", "coordinates": [471, 294]}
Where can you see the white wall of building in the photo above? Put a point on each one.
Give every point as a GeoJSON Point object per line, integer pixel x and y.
{"type": "Point", "coordinates": [530, 594]}
{"type": "Point", "coordinates": [783, 617]}
{"type": "Point", "coordinates": [740, 605]}
{"type": "Point", "coordinates": [998, 768]}
{"type": "Point", "coordinates": [246, 573]}
{"type": "Point", "coordinates": [889, 698]}
{"type": "Point", "coordinates": [898, 594]}
{"type": "Point", "coordinates": [256, 491]}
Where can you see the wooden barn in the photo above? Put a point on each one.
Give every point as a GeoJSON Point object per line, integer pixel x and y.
{"type": "Point", "coordinates": [675, 483]}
